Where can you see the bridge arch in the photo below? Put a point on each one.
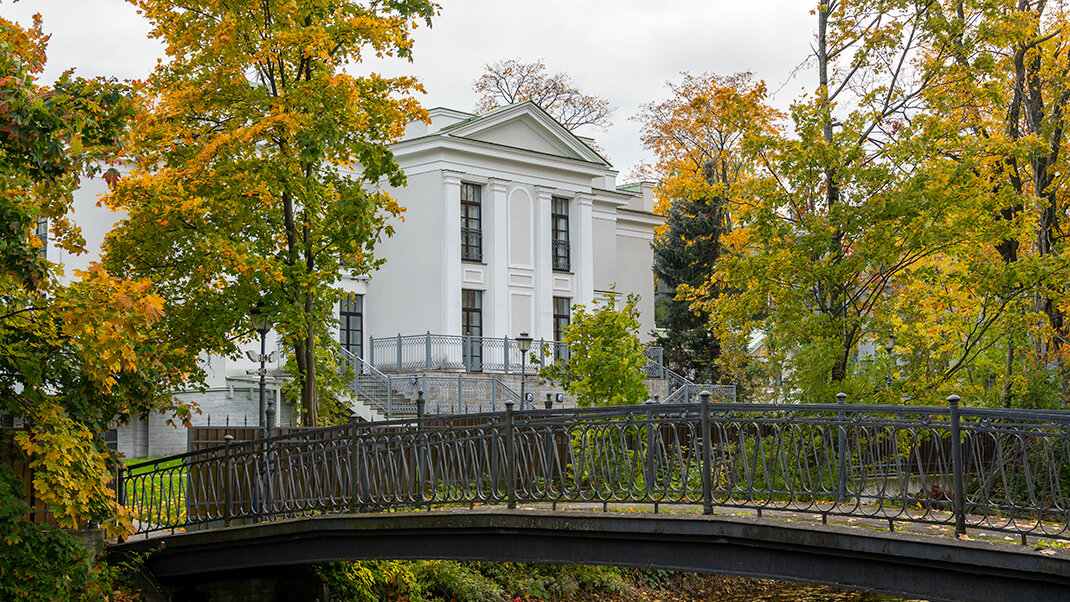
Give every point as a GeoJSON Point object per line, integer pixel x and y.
{"type": "Point", "coordinates": [931, 567]}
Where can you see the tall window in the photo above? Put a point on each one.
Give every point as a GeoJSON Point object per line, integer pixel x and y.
{"type": "Point", "coordinates": [472, 326]}
{"type": "Point", "coordinates": [351, 324]}
{"type": "Point", "coordinates": [561, 322]}
{"type": "Point", "coordinates": [559, 223]}
{"type": "Point", "coordinates": [471, 223]}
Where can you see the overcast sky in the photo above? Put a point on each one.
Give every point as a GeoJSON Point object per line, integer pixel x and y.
{"type": "Point", "coordinates": [624, 50]}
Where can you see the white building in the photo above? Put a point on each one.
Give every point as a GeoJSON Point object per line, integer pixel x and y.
{"type": "Point", "coordinates": [510, 220]}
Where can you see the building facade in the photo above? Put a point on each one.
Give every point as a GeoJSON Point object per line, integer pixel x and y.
{"type": "Point", "coordinates": [510, 221]}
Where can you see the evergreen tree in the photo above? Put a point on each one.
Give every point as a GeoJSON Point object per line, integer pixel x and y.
{"type": "Point", "coordinates": [686, 253]}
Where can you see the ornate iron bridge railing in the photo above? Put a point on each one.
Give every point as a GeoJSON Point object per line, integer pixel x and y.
{"type": "Point", "coordinates": [999, 470]}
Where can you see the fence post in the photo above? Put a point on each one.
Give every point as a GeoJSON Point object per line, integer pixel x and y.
{"type": "Point", "coordinates": [841, 483]}
{"type": "Point", "coordinates": [466, 347]}
{"type": "Point", "coordinates": [494, 395]}
{"type": "Point", "coordinates": [510, 456]}
{"type": "Point", "coordinates": [427, 351]}
{"type": "Point", "coordinates": [707, 455]}
{"type": "Point", "coordinates": [460, 394]}
{"type": "Point", "coordinates": [120, 485]}
{"type": "Point", "coordinates": [389, 397]}
{"type": "Point", "coordinates": [548, 451]}
{"type": "Point", "coordinates": [542, 354]}
{"type": "Point", "coordinates": [958, 502]}
{"type": "Point", "coordinates": [228, 469]}
{"type": "Point", "coordinates": [398, 368]}
{"type": "Point", "coordinates": [505, 353]}
{"type": "Point", "coordinates": [421, 444]}
{"type": "Point", "coordinates": [650, 449]}
{"type": "Point", "coordinates": [354, 463]}
{"type": "Point", "coordinates": [371, 351]}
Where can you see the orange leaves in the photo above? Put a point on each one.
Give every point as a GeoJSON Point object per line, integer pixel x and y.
{"type": "Point", "coordinates": [105, 318]}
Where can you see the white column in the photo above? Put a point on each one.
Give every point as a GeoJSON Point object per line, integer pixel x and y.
{"type": "Point", "coordinates": [451, 254]}
{"type": "Point", "coordinates": [496, 255]}
{"type": "Point", "coordinates": [544, 275]}
{"type": "Point", "coordinates": [583, 249]}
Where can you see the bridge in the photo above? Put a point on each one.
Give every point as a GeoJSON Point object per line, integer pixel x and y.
{"type": "Point", "coordinates": [522, 486]}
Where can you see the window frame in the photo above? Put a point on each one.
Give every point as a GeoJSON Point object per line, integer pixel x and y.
{"type": "Point", "coordinates": [351, 307]}
{"type": "Point", "coordinates": [560, 249]}
{"type": "Point", "coordinates": [471, 225]}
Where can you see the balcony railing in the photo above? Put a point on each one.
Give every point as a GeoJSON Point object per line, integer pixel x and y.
{"type": "Point", "coordinates": [441, 352]}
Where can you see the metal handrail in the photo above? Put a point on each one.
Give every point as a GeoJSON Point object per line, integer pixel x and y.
{"type": "Point", "coordinates": [689, 392]}
{"type": "Point", "coordinates": [959, 468]}
{"type": "Point", "coordinates": [429, 352]}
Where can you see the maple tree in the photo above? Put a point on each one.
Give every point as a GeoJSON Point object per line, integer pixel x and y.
{"type": "Point", "coordinates": [998, 114]}
{"type": "Point", "coordinates": [507, 81]}
{"type": "Point", "coordinates": [77, 356]}
{"type": "Point", "coordinates": [698, 136]}
{"type": "Point", "coordinates": [259, 160]}
{"type": "Point", "coordinates": [837, 211]}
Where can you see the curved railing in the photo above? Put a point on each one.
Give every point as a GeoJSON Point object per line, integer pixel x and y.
{"type": "Point", "coordinates": [999, 470]}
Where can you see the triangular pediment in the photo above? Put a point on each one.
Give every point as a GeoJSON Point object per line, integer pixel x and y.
{"type": "Point", "coordinates": [524, 126]}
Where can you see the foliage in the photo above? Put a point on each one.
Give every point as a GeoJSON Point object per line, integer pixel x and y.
{"type": "Point", "coordinates": [466, 581]}
{"type": "Point", "coordinates": [509, 81]}
{"type": "Point", "coordinates": [913, 192]}
{"type": "Point", "coordinates": [371, 581]}
{"type": "Point", "coordinates": [605, 363]}
{"type": "Point", "coordinates": [74, 357]}
{"type": "Point", "coordinates": [40, 562]}
{"type": "Point", "coordinates": [259, 166]}
{"type": "Point", "coordinates": [698, 136]}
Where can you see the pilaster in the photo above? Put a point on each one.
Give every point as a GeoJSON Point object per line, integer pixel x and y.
{"type": "Point", "coordinates": [451, 253]}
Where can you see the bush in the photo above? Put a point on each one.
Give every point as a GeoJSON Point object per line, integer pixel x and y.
{"type": "Point", "coordinates": [39, 562]}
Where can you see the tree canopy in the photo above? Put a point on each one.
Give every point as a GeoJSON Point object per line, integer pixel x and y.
{"type": "Point", "coordinates": [258, 165]}
{"type": "Point", "coordinates": [77, 355]}
{"type": "Point", "coordinates": [507, 81]}
{"type": "Point", "coordinates": [698, 136]}
{"type": "Point", "coordinates": [915, 191]}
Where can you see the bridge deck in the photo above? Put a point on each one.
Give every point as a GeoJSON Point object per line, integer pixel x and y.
{"type": "Point", "coordinates": [911, 564]}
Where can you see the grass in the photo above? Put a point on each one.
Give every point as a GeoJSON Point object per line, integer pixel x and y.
{"type": "Point", "coordinates": [155, 494]}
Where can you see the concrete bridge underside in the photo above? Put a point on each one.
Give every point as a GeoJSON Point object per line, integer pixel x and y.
{"type": "Point", "coordinates": [932, 567]}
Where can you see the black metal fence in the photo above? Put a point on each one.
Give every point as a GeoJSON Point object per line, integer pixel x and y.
{"type": "Point", "coordinates": [968, 468]}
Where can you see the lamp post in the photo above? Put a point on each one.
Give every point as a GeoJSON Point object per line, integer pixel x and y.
{"type": "Point", "coordinates": [889, 345]}
{"type": "Point", "coordinates": [260, 324]}
{"type": "Point", "coordinates": [524, 343]}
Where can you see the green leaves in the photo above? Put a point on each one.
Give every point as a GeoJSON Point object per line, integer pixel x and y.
{"type": "Point", "coordinates": [605, 363]}
{"type": "Point", "coordinates": [258, 166]}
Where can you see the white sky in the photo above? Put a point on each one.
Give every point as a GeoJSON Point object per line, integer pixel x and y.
{"type": "Point", "coordinates": [624, 50]}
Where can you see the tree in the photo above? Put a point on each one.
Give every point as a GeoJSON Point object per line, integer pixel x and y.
{"type": "Point", "coordinates": [509, 81]}
{"type": "Point", "coordinates": [839, 210]}
{"type": "Point", "coordinates": [698, 136]}
{"type": "Point", "coordinates": [999, 114]}
{"type": "Point", "coordinates": [75, 358]}
{"type": "Point", "coordinates": [605, 363]}
{"type": "Point", "coordinates": [258, 168]}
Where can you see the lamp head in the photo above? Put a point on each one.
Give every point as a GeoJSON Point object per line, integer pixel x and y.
{"type": "Point", "coordinates": [259, 319]}
{"type": "Point", "coordinates": [524, 342]}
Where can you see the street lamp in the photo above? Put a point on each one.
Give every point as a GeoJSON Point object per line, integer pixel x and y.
{"type": "Point", "coordinates": [524, 343]}
{"type": "Point", "coordinates": [889, 345]}
{"type": "Point", "coordinates": [261, 325]}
